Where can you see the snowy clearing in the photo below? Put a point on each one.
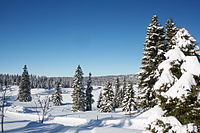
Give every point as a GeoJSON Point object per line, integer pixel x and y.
{"type": "Point", "coordinates": [22, 116]}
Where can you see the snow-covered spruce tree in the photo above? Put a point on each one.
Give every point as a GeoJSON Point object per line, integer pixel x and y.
{"type": "Point", "coordinates": [117, 96]}
{"type": "Point", "coordinates": [106, 104]}
{"type": "Point", "coordinates": [78, 94]}
{"type": "Point", "coordinates": [99, 100]}
{"type": "Point", "coordinates": [154, 49]}
{"type": "Point", "coordinates": [178, 87]}
{"type": "Point", "coordinates": [123, 90]}
{"type": "Point", "coordinates": [171, 30]}
{"type": "Point", "coordinates": [24, 94]}
{"type": "Point", "coordinates": [128, 103]}
{"type": "Point", "coordinates": [57, 96]}
{"type": "Point", "coordinates": [89, 99]}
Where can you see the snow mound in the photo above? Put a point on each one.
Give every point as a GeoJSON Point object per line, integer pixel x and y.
{"type": "Point", "coordinates": [172, 121]}
{"type": "Point", "coordinates": [181, 87]}
{"type": "Point", "coordinates": [17, 109]}
{"type": "Point", "coordinates": [152, 112]}
{"type": "Point", "coordinates": [142, 121]}
{"type": "Point", "coordinates": [113, 130]}
{"type": "Point", "coordinates": [68, 121]}
{"type": "Point", "coordinates": [189, 68]}
{"type": "Point", "coordinates": [157, 113]}
{"type": "Point", "coordinates": [111, 122]}
{"type": "Point", "coordinates": [175, 54]}
{"type": "Point", "coordinates": [191, 65]}
{"type": "Point", "coordinates": [26, 116]}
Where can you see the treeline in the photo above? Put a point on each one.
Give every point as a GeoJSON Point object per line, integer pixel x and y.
{"type": "Point", "coordinates": [50, 82]}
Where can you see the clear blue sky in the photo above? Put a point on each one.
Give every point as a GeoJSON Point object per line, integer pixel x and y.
{"type": "Point", "coordinates": [104, 36]}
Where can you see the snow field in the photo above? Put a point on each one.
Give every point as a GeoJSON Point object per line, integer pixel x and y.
{"type": "Point", "coordinates": [22, 116]}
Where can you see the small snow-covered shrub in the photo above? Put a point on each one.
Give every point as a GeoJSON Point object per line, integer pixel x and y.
{"type": "Point", "coordinates": [160, 127]}
{"type": "Point", "coordinates": [166, 125]}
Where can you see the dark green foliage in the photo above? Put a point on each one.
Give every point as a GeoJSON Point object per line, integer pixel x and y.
{"type": "Point", "coordinates": [171, 31]}
{"type": "Point", "coordinates": [78, 94]}
{"type": "Point", "coordinates": [128, 103]}
{"type": "Point", "coordinates": [24, 94]}
{"type": "Point", "coordinates": [155, 47]}
{"type": "Point", "coordinates": [99, 100]}
{"type": "Point", "coordinates": [186, 111]}
{"type": "Point", "coordinates": [149, 99]}
{"type": "Point", "coordinates": [170, 106]}
{"type": "Point", "coordinates": [106, 104]}
{"type": "Point", "coordinates": [163, 88]}
{"type": "Point", "coordinates": [176, 69]}
{"type": "Point", "coordinates": [164, 126]}
{"type": "Point", "coordinates": [89, 99]}
{"type": "Point", "coordinates": [117, 98]}
{"type": "Point", "coordinates": [152, 130]}
{"type": "Point", "coordinates": [123, 88]}
{"type": "Point", "coordinates": [57, 97]}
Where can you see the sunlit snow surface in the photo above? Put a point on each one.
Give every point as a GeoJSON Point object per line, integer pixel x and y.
{"type": "Point", "coordinates": [22, 117]}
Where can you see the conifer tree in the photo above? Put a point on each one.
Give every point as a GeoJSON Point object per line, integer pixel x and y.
{"type": "Point", "coordinates": [117, 96]}
{"type": "Point", "coordinates": [89, 99]}
{"type": "Point", "coordinates": [123, 88]}
{"type": "Point", "coordinates": [78, 94]}
{"type": "Point", "coordinates": [179, 82]}
{"type": "Point", "coordinates": [171, 30]}
{"type": "Point", "coordinates": [99, 100]}
{"type": "Point", "coordinates": [128, 103]}
{"type": "Point", "coordinates": [153, 55]}
{"type": "Point", "coordinates": [57, 97]}
{"type": "Point", "coordinates": [106, 104]}
{"type": "Point", "coordinates": [24, 94]}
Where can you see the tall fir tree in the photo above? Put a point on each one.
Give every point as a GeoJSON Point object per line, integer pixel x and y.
{"type": "Point", "coordinates": [78, 94]}
{"type": "Point", "coordinates": [154, 49]}
{"type": "Point", "coordinates": [128, 103]}
{"type": "Point", "coordinates": [89, 99]}
{"type": "Point", "coordinates": [57, 96]}
{"type": "Point", "coordinates": [106, 104]}
{"type": "Point", "coordinates": [117, 96]}
{"type": "Point", "coordinates": [24, 94]}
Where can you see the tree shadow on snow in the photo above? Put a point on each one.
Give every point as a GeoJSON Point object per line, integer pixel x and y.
{"type": "Point", "coordinates": [99, 123]}
{"type": "Point", "coordinates": [35, 127]}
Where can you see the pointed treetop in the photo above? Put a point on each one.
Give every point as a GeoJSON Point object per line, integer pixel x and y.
{"type": "Point", "coordinates": [79, 70]}
{"type": "Point", "coordinates": [155, 16]}
{"type": "Point", "coordinates": [90, 74]}
{"type": "Point", "coordinates": [89, 79]}
{"type": "Point", "coordinates": [170, 21]}
{"type": "Point", "coordinates": [155, 20]}
{"type": "Point", "coordinates": [58, 84]}
{"type": "Point", "coordinates": [25, 67]}
{"type": "Point", "coordinates": [124, 79]}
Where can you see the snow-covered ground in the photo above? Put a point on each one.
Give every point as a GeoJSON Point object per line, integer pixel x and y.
{"type": "Point", "coordinates": [22, 116]}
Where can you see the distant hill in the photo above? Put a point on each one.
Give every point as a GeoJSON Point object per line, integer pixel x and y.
{"type": "Point", "coordinates": [100, 80]}
{"type": "Point", "coordinates": [49, 82]}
